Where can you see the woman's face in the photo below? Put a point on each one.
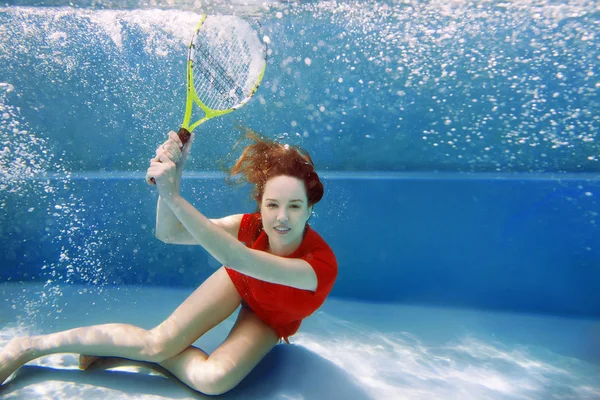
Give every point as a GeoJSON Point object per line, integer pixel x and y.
{"type": "Point", "coordinates": [284, 209]}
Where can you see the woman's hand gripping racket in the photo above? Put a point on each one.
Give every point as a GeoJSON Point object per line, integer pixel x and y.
{"type": "Point", "coordinates": [226, 63]}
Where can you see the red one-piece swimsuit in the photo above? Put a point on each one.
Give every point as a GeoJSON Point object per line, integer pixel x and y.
{"type": "Point", "coordinates": [283, 307]}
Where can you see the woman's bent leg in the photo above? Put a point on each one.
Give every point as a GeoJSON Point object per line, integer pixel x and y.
{"type": "Point", "coordinates": [208, 305]}
{"type": "Point", "coordinates": [248, 342]}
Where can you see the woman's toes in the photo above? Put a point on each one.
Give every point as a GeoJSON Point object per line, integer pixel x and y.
{"type": "Point", "coordinates": [86, 361]}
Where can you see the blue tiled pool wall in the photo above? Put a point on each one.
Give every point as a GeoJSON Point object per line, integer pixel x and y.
{"type": "Point", "coordinates": [518, 244]}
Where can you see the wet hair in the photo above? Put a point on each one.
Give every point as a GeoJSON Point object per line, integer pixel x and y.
{"type": "Point", "coordinates": [264, 159]}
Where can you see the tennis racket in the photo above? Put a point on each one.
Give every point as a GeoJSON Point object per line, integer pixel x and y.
{"type": "Point", "coordinates": [226, 63]}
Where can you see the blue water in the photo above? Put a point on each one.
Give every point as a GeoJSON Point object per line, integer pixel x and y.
{"type": "Point", "coordinates": [458, 144]}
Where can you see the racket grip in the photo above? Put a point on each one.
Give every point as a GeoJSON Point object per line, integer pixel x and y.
{"type": "Point", "coordinates": [184, 136]}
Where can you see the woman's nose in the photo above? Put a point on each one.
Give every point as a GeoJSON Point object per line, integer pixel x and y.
{"type": "Point", "coordinates": [282, 216]}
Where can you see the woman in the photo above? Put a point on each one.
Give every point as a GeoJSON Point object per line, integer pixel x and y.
{"type": "Point", "coordinates": [277, 268]}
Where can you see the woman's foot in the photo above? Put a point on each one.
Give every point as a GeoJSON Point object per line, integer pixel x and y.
{"type": "Point", "coordinates": [16, 353]}
{"type": "Point", "coordinates": [86, 361]}
{"type": "Point", "coordinates": [102, 363]}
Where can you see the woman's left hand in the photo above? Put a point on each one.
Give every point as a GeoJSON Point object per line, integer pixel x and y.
{"type": "Point", "coordinates": [164, 172]}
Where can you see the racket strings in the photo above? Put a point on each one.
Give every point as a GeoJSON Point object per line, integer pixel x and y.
{"type": "Point", "coordinates": [215, 74]}
{"type": "Point", "coordinates": [221, 72]}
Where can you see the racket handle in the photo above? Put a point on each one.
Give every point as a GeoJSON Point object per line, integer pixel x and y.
{"type": "Point", "coordinates": [184, 136]}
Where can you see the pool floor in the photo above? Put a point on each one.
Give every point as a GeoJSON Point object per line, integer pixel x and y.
{"type": "Point", "coordinates": [347, 350]}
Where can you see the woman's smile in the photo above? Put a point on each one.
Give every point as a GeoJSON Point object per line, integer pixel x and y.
{"type": "Point", "coordinates": [282, 230]}
{"type": "Point", "coordinates": [284, 213]}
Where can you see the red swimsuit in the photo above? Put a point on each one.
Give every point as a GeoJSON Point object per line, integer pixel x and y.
{"type": "Point", "coordinates": [283, 307]}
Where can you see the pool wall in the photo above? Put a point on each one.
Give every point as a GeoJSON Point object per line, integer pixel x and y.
{"type": "Point", "coordinates": [521, 243]}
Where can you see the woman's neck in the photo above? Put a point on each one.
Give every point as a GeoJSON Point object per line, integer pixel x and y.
{"type": "Point", "coordinates": [285, 249]}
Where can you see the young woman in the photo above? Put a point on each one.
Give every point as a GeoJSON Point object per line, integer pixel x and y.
{"type": "Point", "coordinates": [275, 266]}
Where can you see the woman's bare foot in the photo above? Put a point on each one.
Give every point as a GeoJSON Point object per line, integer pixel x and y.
{"type": "Point", "coordinates": [86, 361]}
{"type": "Point", "coordinates": [102, 363]}
{"type": "Point", "coordinates": [17, 352]}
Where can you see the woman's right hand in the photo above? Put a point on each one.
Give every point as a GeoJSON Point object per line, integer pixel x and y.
{"type": "Point", "coordinates": [170, 149]}
{"type": "Point", "coordinates": [181, 152]}
{"type": "Point", "coordinates": [168, 228]}
{"type": "Point", "coordinates": [174, 150]}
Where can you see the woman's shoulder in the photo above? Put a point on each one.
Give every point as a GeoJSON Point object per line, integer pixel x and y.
{"type": "Point", "coordinates": [251, 221]}
{"type": "Point", "coordinates": [314, 243]}
{"type": "Point", "coordinates": [320, 256]}
{"type": "Point", "coordinates": [250, 227]}
{"type": "Point", "coordinates": [314, 238]}
{"type": "Point", "coordinates": [230, 223]}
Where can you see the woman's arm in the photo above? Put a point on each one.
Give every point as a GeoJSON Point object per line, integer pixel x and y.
{"type": "Point", "coordinates": [220, 241]}
{"type": "Point", "coordinates": [171, 231]}
{"type": "Point", "coordinates": [168, 227]}
{"type": "Point", "coordinates": [229, 251]}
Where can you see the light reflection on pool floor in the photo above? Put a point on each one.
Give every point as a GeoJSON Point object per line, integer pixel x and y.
{"type": "Point", "coordinates": [346, 350]}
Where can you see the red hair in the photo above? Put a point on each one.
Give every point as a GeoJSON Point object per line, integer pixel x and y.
{"type": "Point", "coordinates": [265, 159]}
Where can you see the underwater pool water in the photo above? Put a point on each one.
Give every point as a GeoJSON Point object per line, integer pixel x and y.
{"type": "Point", "coordinates": [458, 145]}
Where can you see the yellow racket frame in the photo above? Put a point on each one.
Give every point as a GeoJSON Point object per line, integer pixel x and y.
{"type": "Point", "coordinates": [192, 97]}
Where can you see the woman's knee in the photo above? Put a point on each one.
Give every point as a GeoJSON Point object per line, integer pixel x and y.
{"type": "Point", "coordinates": [216, 378]}
{"type": "Point", "coordinates": [159, 346]}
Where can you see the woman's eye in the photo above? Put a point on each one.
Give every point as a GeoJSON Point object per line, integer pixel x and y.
{"type": "Point", "coordinates": [271, 205]}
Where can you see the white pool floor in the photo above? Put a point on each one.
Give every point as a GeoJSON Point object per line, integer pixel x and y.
{"type": "Point", "coordinates": [347, 350]}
